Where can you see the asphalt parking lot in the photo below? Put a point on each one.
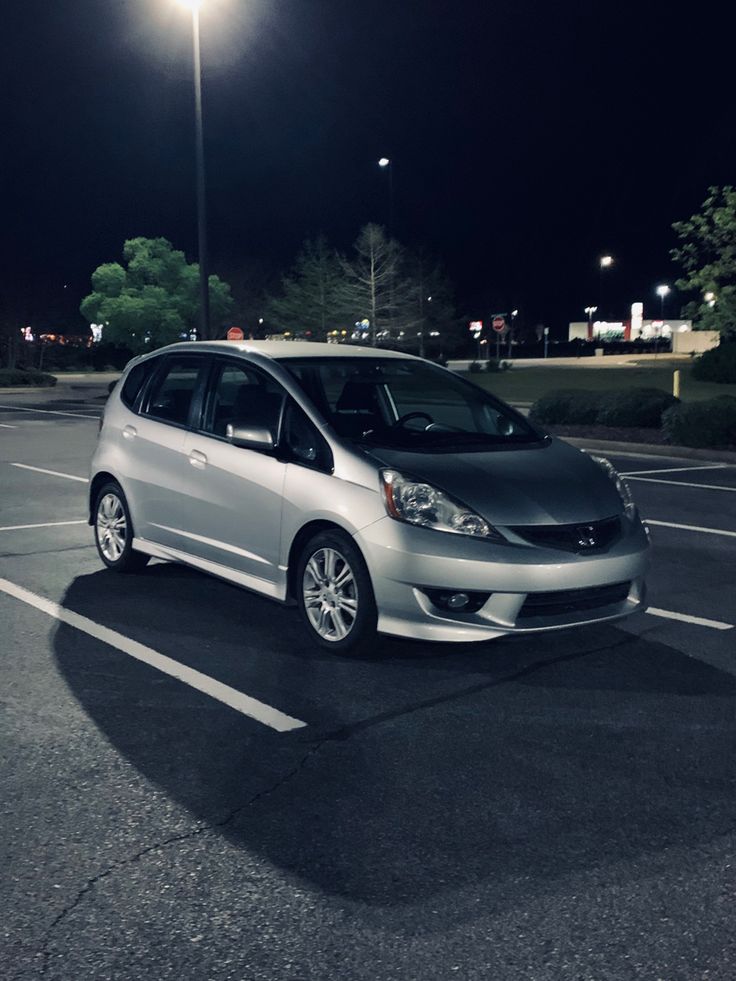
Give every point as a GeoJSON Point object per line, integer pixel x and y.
{"type": "Point", "coordinates": [191, 792]}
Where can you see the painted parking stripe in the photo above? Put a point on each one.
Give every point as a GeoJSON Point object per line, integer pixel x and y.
{"type": "Point", "coordinates": [51, 473]}
{"type": "Point", "coordinates": [254, 709]}
{"type": "Point", "coordinates": [4, 426]}
{"type": "Point", "coordinates": [681, 483]}
{"type": "Point", "coordinates": [51, 412]}
{"type": "Point", "coordinates": [709, 466]}
{"type": "Point", "coordinates": [705, 531]}
{"type": "Point", "coordinates": [46, 524]}
{"type": "Point", "coordinates": [698, 621]}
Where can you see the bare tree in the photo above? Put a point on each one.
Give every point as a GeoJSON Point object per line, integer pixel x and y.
{"type": "Point", "coordinates": [371, 279]}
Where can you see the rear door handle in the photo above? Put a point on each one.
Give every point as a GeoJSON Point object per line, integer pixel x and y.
{"type": "Point", "coordinates": [197, 459]}
{"type": "Point", "coordinates": [130, 432]}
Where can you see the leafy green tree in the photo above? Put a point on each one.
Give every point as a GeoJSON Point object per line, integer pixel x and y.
{"type": "Point", "coordinates": [153, 298]}
{"type": "Point", "coordinates": [372, 287]}
{"type": "Point", "coordinates": [707, 254]}
{"type": "Point", "coordinates": [312, 295]}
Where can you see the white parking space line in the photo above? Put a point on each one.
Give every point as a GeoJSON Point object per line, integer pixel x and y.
{"type": "Point", "coordinates": [46, 524]}
{"type": "Point", "coordinates": [698, 621]}
{"type": "Point", "coordinates": [51, 473]}
{"type": "Point", "coordinates": [672, 524]}
{"type": "Point", "coordinates": [254, 709]}
{"type": "Point", "coordinates": [681, 483]}
{"type": "Point", "coordinates": [51, 412]}
{"type": "Point", "coordinates": [4, 426]}
{"type": "Point", "coordinates": [709, 466]}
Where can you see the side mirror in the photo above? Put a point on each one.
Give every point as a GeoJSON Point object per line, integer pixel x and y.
{"type": "Point", "coordinates": [250, 437]}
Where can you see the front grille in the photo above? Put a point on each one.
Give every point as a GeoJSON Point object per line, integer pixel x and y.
{"type": "Point", "coordinates": [582, 538]}
{"type": "Point", "coordinates": [565, 601]}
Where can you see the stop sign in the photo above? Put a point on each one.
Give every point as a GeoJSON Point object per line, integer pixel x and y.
{"type": "Point", "coordinates": [498, 323]}
{"type": "Point", "coordinates": [235, 334]}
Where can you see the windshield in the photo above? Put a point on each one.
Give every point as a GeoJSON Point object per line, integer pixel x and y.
{"type": "Point", "coordinates": [407, 404]}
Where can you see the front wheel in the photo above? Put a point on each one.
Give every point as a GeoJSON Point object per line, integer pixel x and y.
{"type": "Point", "coordinates": [114, 531]}
{"type": "Point", "coordinates": [335, 594]}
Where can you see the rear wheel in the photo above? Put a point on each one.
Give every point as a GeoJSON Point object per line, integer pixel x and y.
{"type": "Point", "coordinates": [114, 531]}
{"type": "Point", "coordinates": [335, 594]}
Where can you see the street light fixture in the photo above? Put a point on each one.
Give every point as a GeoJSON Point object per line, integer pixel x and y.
{"type": "Point", "coordinates": [204, 293]}
{"type": "Point", "coordinates": [606, 261]}
{"type": "Point", "coordinates": [662, 291]}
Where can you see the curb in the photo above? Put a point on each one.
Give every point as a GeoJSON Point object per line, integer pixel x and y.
{"type": "Point", "coordinates": [649, 449]}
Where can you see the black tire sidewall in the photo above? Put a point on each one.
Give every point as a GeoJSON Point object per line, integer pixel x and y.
{"type": "Point", "coordinates": [364, 627]}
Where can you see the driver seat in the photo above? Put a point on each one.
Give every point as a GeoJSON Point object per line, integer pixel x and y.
{"type": "Point", "coordinates": [358, 408]}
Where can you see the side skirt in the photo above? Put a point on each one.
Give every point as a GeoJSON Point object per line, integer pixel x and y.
{"type": "Point", "coordinates": [275, 591]}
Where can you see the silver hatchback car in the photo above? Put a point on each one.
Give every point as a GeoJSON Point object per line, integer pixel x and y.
{"type": "Point", "coordinates": [377, 491]}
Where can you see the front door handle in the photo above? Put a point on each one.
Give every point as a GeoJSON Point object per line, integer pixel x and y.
{"type": "Point", "coordinates": [130, 432]}
{"type": "Point", "coordinates": [197, 459]}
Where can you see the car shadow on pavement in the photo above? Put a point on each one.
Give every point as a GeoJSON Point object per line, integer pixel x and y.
{"type": "Point", "coordinates": [423, 769]}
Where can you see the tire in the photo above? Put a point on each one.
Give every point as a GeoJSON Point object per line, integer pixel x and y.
{"type": "Point", "coordinates": [335, 594]}
{"type": "Point", "coordinates": [114, 531]}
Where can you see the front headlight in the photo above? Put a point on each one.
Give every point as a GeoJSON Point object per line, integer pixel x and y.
{"type": "Point", "coordinates": [419, 503]}
{"type": "Point", "coordinates": [621, 486]}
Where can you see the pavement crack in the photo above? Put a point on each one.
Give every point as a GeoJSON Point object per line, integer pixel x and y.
{"type": "Point", "coordinates": [202, 829]}
{"type": "Point", "coordinates": [350, 729]}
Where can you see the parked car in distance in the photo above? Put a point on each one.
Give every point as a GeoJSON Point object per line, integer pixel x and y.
{"type": "Point", "coordinates": [375, 490]}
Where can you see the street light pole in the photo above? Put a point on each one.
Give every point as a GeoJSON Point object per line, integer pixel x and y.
{"type": "Point", "coordinates": [590, 311]}
{"type": "Point", "coordinates": [514, 315]}
{"type": "Point", "coordinates": [605, 262]}
{"type": "Point", "coordinates": [204, 293]}
{"type": "Point", "coordinates": [386, 164]}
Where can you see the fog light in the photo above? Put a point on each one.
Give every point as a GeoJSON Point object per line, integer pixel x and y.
{"type": "Point", "coordinates": [447, 600]}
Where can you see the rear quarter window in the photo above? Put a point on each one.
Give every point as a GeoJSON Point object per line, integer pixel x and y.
{"type": "Point", "coordinates": [135, 380]}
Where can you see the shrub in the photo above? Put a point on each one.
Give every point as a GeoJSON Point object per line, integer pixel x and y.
{"type": "Point", "coordinates": [717, 365]}
{"type": "Point", "coordinates": [711, 422]}
{"type": "Point", "coordinates": [14, 377]}
{"type": "Point", "coordinates": [574, 406]}
{"type": "Point", "coordinates": [476, 367]}
{"type": "Point", "coordinates": [626, 409]}
{"type": "Point", "coordinates": [634, 407]}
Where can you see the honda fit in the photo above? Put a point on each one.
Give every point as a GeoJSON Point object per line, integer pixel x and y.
{"type": "Point", "coordinates": [376, 491]}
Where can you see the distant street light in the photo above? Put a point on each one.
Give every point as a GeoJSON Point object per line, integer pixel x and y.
{"type": "Point", "coordinates": [385, 164]}
{"type": "Point", "coordinates": [514, 315]}
{"type": "Point", "coordinates": [590, 311]}
{"type": "Point", "coordinates": [710, 298]}
{"type": "Point", "coordinates": [204, 293]}
{"type": "Point", "coordinates": [662, 291]}
{"type": "Point", "coordinates": [605, 262]}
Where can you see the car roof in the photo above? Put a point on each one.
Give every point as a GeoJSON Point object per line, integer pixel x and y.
{"type": "Point", "coordinates": [277, 350]}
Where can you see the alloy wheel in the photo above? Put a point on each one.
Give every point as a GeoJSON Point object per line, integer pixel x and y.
{"type": "Point", "coordinates": [112, 527]}
{"type": "Point", "coordinates": [330, 594]}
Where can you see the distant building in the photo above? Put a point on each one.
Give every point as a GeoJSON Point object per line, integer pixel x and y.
{"type": "Point", "coordinates": [626, 330]}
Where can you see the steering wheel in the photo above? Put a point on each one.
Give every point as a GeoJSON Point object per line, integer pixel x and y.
{"type": "Point", "coordinates": [412, 415]}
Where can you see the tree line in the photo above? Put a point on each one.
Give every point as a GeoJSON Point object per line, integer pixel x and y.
{"type": "Point", "coordinates": [381, 294]}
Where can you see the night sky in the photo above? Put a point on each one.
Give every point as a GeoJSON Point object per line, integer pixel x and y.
{"type": "Point", "coordinates": [527, 138]}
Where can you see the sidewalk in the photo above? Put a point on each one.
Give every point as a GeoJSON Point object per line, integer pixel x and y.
{"type": "Point", "coordinates": [605, 361]}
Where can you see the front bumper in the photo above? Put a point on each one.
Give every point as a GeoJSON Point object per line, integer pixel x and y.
{"type": "Point", "coordinates": [403, 560]}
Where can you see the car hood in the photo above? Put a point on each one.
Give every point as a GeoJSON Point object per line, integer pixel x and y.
{"type": "Point", "coordinates": [551, 484]}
